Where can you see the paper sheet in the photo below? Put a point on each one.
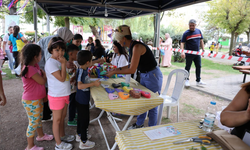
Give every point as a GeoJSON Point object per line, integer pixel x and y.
{"type": "Point", "coordinates": [162, 132]}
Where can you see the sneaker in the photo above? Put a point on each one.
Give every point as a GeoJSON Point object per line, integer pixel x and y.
{"type": "Point", "coordinates": [72, 123]}
{"type": "Point", "coordinates": [3, 73]}
{"type": "Point", "coordinates": [13, 72]}
{"type": "Point", "coordinates": [89, 144]}
{"type": "Point", "coordinates": [187, 84]}
{"type": "Point", "coordinates": [200, 83]}
{"type": "Point", "coordinates": [64, 146]}
{"type": "Point", "coordinates": [68, 138]}
{"type": "Point", "coordinates": [134, 126]}
{"type": "Point", "coordinates": [78, 137]}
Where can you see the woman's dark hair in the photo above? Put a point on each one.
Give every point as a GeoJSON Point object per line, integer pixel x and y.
{"type": "Point", "coordinates": [28, 53]}
{"type": "Point", "coordinates": [78, 37]}
{"type": "Point", "coordinates": [121, 50]}
{"type": "Point", "coordinates": [98, 44]}
{"type": "Point", "coordinates": [83, 57]}
{"type": "Point", "coordinates": [56, 42]}
{"type": "Point", "coordinates": [16, 31]}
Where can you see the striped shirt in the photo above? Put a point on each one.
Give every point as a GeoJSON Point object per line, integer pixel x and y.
{"type": "Point", "coordinates": [192, 39]}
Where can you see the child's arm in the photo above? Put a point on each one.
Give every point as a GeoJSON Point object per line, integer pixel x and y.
{"type": "Point", "coordinates": [87, 85]}
{"type": "Point", "coordinates": [61, 74]}
{"type": "Point", "coordinates": [2, 95]}
{"type": "Point", "coordinates": [39, 79]}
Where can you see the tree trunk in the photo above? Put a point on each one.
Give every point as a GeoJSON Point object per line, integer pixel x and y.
{"type": "Point", "coordinates": [231, 43]}
{"type": "Point", "coordinates": [66, 20]}
{"type": "Point", "coordinates": [247, 36]}
{"type": "Point", "coordinates": [94, 31]}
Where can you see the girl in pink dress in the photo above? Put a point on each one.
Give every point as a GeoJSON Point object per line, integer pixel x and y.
{"type": "Point", "coordinates": [166, 59]}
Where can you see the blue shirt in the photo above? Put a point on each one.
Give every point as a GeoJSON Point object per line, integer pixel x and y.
{"type": "Point", "coordinates": [192, 39]}
{"type": "Point", "coordinates": [82, 95]}
{"type": "Point", "coordinates": [13, 41]}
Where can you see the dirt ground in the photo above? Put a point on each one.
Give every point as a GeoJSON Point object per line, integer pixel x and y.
{"type": "Point", "coordinates": [13, 118]}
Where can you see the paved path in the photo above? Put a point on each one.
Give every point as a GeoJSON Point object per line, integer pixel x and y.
{"type": "Point", "coordinates": [225, 88]}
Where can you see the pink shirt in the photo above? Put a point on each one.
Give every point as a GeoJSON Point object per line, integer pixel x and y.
{"type": "Point", "coordinates": [32, 90]}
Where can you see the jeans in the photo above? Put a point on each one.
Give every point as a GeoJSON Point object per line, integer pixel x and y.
{"type": "Point", "coordinates": [153, 81]}
{"type": "Point", "coordinates": [16, 57]}
{"type": "Point", "coordinates": [72, 106]}
{"type": "Point", "coordinates": [197, 63]}
{"type": "Point", "coordinates": [10, 58]}
{"type": "Point", "coordinates": [82, 120]}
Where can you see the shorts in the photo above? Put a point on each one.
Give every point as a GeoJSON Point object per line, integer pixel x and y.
{"type": "Point", "coordinates": [57, 103]}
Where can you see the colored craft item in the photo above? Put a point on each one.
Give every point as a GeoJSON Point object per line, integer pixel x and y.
{"type": "Point", "coordinates": [123, 95]}
{"type": "Point", "coordinates": [119, 90]}
{"type": "Point", "coordinates": [116, 85]}
{"type": "Point", "coordinates": [145, 94]}
{"type": "Point", "coordinates": [137, 89]}
{"type": "Point", "coordinates": [124, 84]}
{"type": "Point", "coordinates": [104, 86]}
{"type": "Point", "coordinates": [113, 96]}
{"type": "Point", "coordinates": [127, 89]}
{"type": "Point", "coordinates": [109, 90]}
{"type": "Point", "coordinates": [103, 73]}
{"type": "Point", "coordinates": [135, 93]}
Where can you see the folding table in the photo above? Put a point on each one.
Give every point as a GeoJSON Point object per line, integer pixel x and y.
{"type": "Point", "coordinates": [130, 106]}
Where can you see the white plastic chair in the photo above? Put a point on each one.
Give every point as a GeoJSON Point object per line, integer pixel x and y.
{"type": "Point", "coordinates": [181, 76]}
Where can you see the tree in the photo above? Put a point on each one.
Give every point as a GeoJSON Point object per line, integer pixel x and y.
{"type": "Point", "coordinates": [231, 15]}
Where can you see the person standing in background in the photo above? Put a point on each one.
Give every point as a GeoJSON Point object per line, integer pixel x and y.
{"type": "Point", "coordinates": [193, 39]}
{"type": "Point", "coordinates": [166, 58]}
{"type": "Point", "coordinates": [6, 49]}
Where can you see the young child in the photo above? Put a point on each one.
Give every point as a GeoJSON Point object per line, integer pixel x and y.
{"type": "Point", "coordinates": [58, 91]}
{"type": "Point", "coordinates": [212, 48]}
{"type": "Point", "coordinates": [34, 91]}
{"type": "Point", "coordinates": [84, 59]}
{"type": "Point", "coordinates": [72, 51]}
{"type": "Point", "coordinates": [77, 40]}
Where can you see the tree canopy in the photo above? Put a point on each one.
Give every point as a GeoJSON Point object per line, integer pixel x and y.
{"type": "Point", "coordinates": [231, 15]}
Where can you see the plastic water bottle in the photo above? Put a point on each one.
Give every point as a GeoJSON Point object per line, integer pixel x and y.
{"type": "Point", "coordinates": [210, 117]}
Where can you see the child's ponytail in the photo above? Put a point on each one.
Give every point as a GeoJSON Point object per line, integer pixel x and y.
{"type": "Point", "coordinates": [28, 53]}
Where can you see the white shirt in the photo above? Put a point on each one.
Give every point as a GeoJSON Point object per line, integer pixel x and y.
{"type": "Point", "coordinates": [119, 61]}
{"type": "Point", "coordinates": [56, 88]}
{"type": "Point", "coordinates": [6, 39]}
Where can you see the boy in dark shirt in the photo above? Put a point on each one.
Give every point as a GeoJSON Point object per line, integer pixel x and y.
{"type": "Point", "coordinates": [84, 59]}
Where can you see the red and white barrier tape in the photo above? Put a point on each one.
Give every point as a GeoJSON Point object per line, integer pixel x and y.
{"type": "Point", "coordinates": [205, 54]}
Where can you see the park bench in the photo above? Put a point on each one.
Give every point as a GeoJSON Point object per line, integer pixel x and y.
{"type": "Point", "coordinates": [244, 69]}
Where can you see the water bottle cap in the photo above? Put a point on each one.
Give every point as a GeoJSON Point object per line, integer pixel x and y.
{"type": "Point", "coordinates": [213, 103]}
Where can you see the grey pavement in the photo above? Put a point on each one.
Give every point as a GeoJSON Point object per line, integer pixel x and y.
{"type": "Point", "coordinates": [225, 88]}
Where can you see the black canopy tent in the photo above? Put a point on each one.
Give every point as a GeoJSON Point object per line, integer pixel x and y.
{"type": "Point", "coordinates": [113, 9]}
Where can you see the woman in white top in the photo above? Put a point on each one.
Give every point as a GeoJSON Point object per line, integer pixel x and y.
{"type": "Point", "coordinates": [120, 58]}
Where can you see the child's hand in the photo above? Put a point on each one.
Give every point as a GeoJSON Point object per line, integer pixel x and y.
{"type": "Point", "coordinates": [43, 73]}
{"type": "Point", "coordinates": [62, 60]}
{"type": "Point", "coordinates": [97, 82]}
{"type": "Point", "coordinates": [2, 100]}
{"type": "Point", "coordinates": [70, 65]}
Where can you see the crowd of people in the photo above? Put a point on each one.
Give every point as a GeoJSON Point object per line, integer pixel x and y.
{"type": "Point", "coordinates": [56, 81]}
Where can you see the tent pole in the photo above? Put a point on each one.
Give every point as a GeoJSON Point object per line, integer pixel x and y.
{"type": "Point", "coordinates": [35, 20]}
{"type": "Point", "coordinates": [48, 24]}
{"type": "Point", "coordinates": [157, 36]}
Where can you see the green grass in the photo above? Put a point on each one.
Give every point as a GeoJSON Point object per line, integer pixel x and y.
{"type": "Point", "coordinates": [191, 109]}
{"type": "Point", "coordinates": [165, 120]}
{"type": "Point", "coordinates": [221, 50]}
{"type": "Point", "coordinates": [206, 65]}
{"type": "Point", "coordinates": [8, 75]}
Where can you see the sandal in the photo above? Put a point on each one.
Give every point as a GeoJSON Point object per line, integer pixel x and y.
{"type": "Point", "coordinates": [46, 137]}
{"type": "Point", "coordinates": [35, 148]}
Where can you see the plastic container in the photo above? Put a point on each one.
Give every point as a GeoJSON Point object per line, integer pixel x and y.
{"type": "Point", "coordinates": [210, 117]}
